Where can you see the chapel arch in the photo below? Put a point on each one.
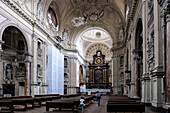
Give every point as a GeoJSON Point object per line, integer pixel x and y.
{"type": "Point", "coordinates": [138, 51]}
{"type": "Point", "coordinates": [15, 52]}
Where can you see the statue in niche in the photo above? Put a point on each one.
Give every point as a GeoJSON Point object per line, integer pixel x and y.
{"type": "Point", "coordinates": [65, 36]}
{"type": "Point", "coordinates": [39, 71]}
{"type": "Point", "coordinates": [120, 39]}
{"type": "Point", "coordinates": [40, 11]}
{"type": "Point", "coordinates": [9, 70]}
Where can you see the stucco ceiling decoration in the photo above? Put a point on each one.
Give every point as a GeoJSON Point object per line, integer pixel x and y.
{"type": "Point", "coordinates": [91, 11]}
{"type": "Point", "coordinates": [106, 14]}
{"type": "Point", "coordinates": [77, 21]}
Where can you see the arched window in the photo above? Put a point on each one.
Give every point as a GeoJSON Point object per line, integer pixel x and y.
{"type": "Point", "coordinates": [121, 78]}
{"type": "Point", "coordinates": [39, 49]}
{"type": "Point", "coordinates": [121, 61]}
{"type": "Point", "coordinates": [65, 78]}
{"type": "Point", "coordinates": [65, 63]}
{"type": "Point", "coordinates": [52, 17]}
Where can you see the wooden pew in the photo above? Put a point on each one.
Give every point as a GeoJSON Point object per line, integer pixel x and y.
{"type": "Point", "coordinates": [22, 103]}
{"type": "Point", "coordinates": [62, 105]}
{"type": "Point", "coordinates": [37, 101]}
{"type": "Point", "coordinates": [88, 99]}
{"type": "Point", "coordinates": [6, 106]}
{"type": "Point", "coordinates": [121, 107]}
{"type": "Point", "coordinates": [48, 97]}
{"type": "Point", "coordinates": [118, 103]}
{"type": "Point", "coordinates": [45, 95]}
{"type": "Point", "coordinates": [70, 95]}
{"type": "Point", "coordinates": [68, 103]}
{"type": "Point", "coordinates": [26, 102]}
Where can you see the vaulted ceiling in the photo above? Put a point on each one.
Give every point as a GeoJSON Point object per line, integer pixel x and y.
{"type": "Point", "coordinates": [75, 16]}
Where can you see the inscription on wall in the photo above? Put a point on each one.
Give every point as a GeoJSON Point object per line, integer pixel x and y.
{"type": "Point", "coordinates": [150, 52]}
{"type": "Point", "coordinates": [150, 12]}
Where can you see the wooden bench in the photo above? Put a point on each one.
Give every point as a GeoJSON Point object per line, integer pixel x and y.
{"type": "Point", "coordinates": [45, 95]}
{"type": "Point", "coordinates": [37, 101]}
{"type": "Point", "coordinates": [6, 106]}
{"type": "Point", "coordinates": [48, 97]}
{"type": "Point", "coordinates": [63, 105]}
{"type": "Point", "coordinates": [55, 112]}
{"type": "Point", "coordinates": [121, 107]}
{"type": "Point", "coordinates": [88, 100]}
{"type": "Point", "coordinates": [70, 95]}
{"type": "Point", "coordinates": [118, 103]}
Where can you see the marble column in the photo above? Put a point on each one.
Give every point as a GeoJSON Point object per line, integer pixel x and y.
{"type": "Point", "coordinates": [165, 15]}
{"type": "Point", "coordinates": [34, 66]}
{"type": "Point", "coordinates": [112, 71]}
{"type": "Point", "coordinates": [44, 83]}
{"type": "Point", "coordinates": [115, 76]}
{"type": "Point", "coordinates": [146, 80]}
{"type": "Point", "coordinates": [168, 54]}
{"type": "Point", "coordinates": [157, 71]}
{"type": "Point", "coordinates": [1, 42]}
{"type": "Point", "coordinates": [1, 65]}
{"type": "Point", "coordinates": [27, 86]}
{"type": "Point", "coordinates": [136, 80]}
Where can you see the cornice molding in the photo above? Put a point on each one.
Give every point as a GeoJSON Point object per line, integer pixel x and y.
{"type": "Point", "coordinates": [18, 11]}
{"type": "Point", "coordinates": [24, 16]}
{"type": "Point", "coordinates": [160, 2]}
{"type": "Point", "coordinates": [131, 13]}
{"type": "Point", "coordinates": [166, 12]}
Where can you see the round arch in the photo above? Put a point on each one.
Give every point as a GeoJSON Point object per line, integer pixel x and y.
{"type": "Point", "coordinates": [21, 30]}
{"type": "Point", "coordinates": [138, 57]}
{"type": "Point", "coordinates": [56, 10]}
{"type": "Point", "coordinates": [80, 30]}
{"type": "Point", "coordinates": [138, 35]}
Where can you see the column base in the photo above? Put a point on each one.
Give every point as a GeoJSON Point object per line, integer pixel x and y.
{"type": "Point", "coordinates": [132, 88]}
{"type": "Point", "coordinates": [33, 89]}
{"type": "Point", "coordinates": [71, 90]}
{"type": "Point", "coordinates": [116, 90]}
{"type": "Point", "coordinates": [136, 97]}
{"type": "Point", "coordinates": [44, 88]}
{"type": "Point", "coordinates": [166, 108]}
{"type": "Point", "coordinates": [157, 96]}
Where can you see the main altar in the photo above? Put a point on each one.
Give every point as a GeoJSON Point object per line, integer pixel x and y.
{"type": "Point", "coordinates": [98, 73]}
